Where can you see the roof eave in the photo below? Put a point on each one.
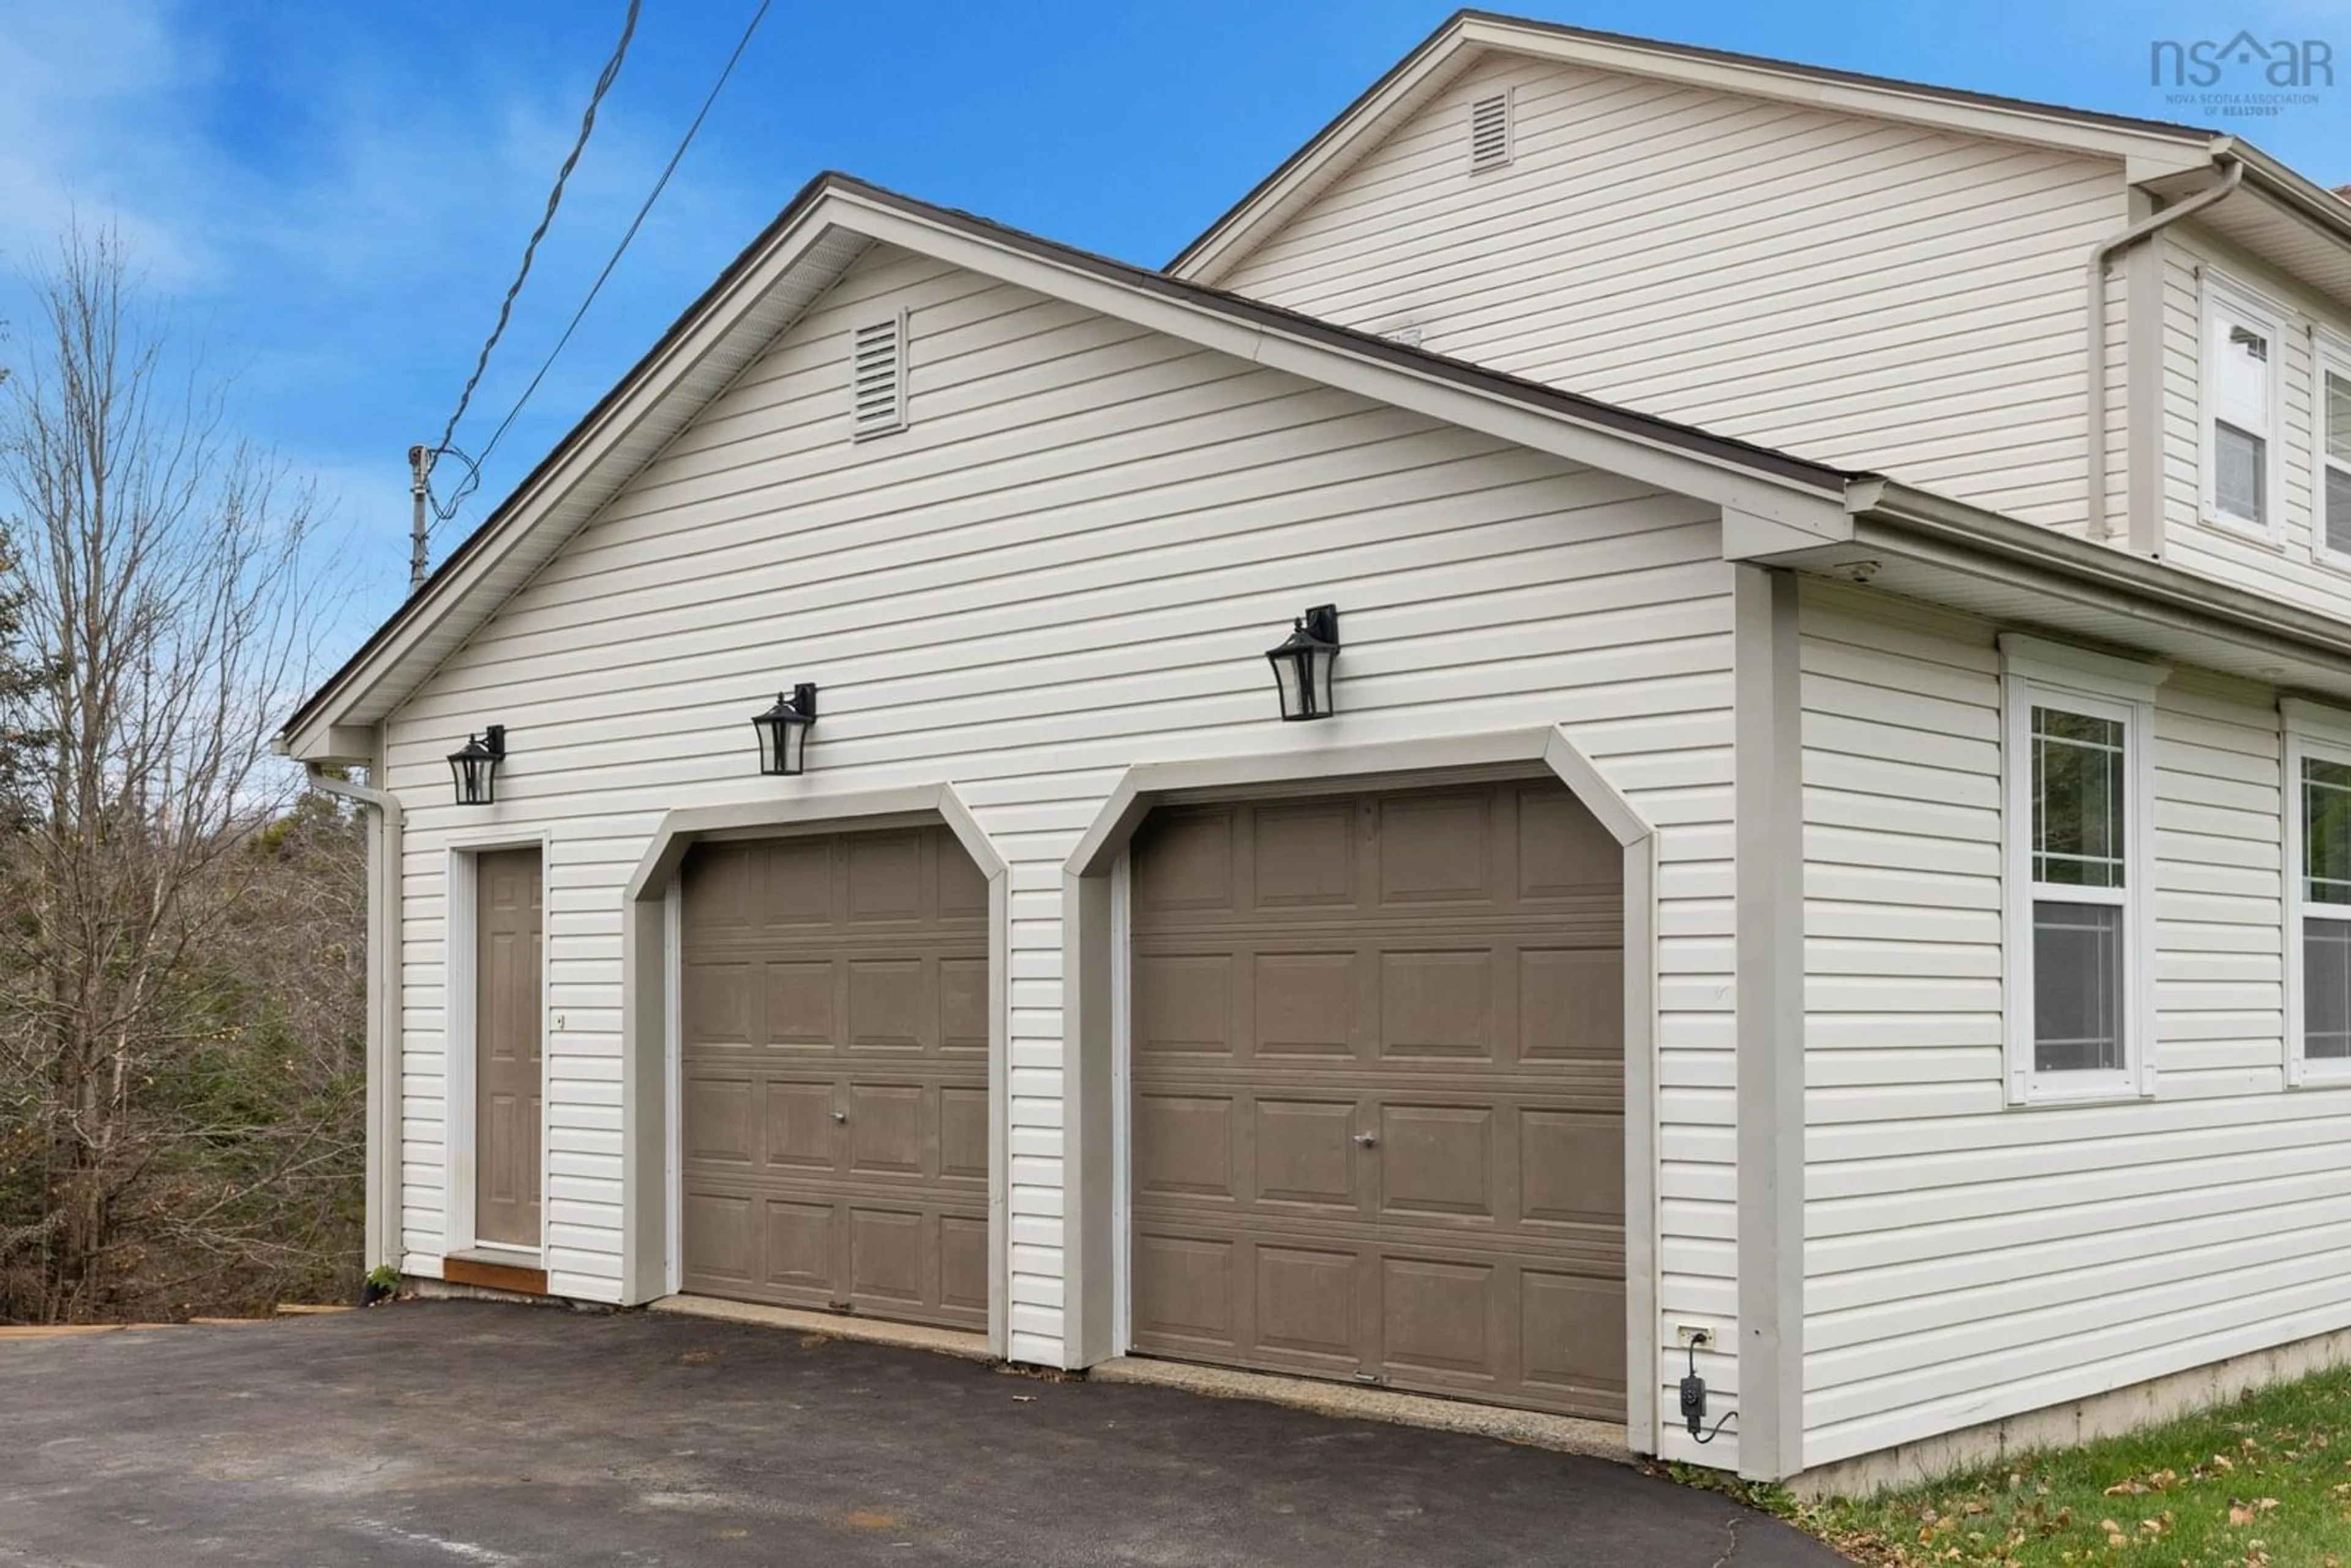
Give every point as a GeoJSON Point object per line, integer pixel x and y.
{"type": "Point", "coordinates": [2243, 633]}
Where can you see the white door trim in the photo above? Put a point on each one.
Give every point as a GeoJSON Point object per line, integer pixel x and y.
{"type": "Point", "coordinates": [462, 1064]}
{"type": "Point", "coordinates": [1094, 1144]}
{"type": "Point", "coordinates": [650, 1127]}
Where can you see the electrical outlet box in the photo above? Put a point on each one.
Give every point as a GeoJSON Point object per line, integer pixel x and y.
{"type": "Point", "coordinates": [1691, 1337]}
{"type": "Point", "coordinates": [1693, 1403]}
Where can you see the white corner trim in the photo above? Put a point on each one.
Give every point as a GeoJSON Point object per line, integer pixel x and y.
{"type": "Point", "coordinates": [2063, 665]}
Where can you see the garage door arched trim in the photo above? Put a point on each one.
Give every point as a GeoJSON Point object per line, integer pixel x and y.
{"type": "Point", "coordinates": [1089, 1152]}
{"type": "Point", "coordinates": [648, 961]}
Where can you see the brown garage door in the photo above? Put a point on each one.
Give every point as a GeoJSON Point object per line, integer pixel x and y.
{"type": "Point", "coordinates": [1378, 1066]}
{"type": "Point", "coordinates": [835, 1074]}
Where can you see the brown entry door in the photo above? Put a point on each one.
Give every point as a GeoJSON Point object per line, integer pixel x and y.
{"type": "Point", "coordinates": [835, 1074]}
{"type": "Point", "coordinates": [506, 1049]}
{"type": "Point", "coordinates": [1377, 1055]}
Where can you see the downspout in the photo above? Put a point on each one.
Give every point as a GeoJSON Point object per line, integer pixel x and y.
{"type": "Point", "coordinates": [2233, 175]}
{"type": "Point", "coordinates": [384, 1020]}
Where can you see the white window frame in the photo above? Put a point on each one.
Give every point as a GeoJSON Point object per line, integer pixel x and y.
{"type": "Point", "coordinates": [2330, 355]}
{"type": "Point", "coordinates": [2323, 733]}
{"type": "Point", "coordinates": [2035, 673]}
{"type": "Point", "coordinates": [2226, 300]}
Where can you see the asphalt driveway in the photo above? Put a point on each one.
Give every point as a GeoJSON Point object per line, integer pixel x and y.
{"type": "Point", "coordinates": [465, 1433]}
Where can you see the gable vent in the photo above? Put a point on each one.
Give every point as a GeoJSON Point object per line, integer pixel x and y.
{"type": "Point", "coordinates": [1489, 133]}
{"type": "Point", "coordinates": [877, 378]}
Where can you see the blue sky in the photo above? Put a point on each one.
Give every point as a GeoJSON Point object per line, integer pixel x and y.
{"type": "Point", "coordinates": [334, 197]}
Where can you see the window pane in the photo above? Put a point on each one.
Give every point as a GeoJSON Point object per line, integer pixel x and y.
{"type": "Point", "coordinates": [2078, 799]}
{"type": "Point", "coordinates": [2326, 988]}
{"type": "Point", "coordinates": [2240, 372]}
{"type": "Point", "coordinates": [2077, 988]}
{"type": "Point", "coordinates": [2325, 831]}
{"type": "Point", "coordinates": [2338, 416]}
{"type": "Point", "coordinates": [2338, 509]}
{"type": "Point", "coordinates": [2240, 472]}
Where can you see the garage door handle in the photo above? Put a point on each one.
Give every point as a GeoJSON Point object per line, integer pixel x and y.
{"type": "Point", "coordinates": [1367, 1139]}
{"type": "Point", "coordinates": [841, 1115]}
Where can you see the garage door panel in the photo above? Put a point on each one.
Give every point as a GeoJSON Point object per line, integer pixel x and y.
{"type": "Point", "coordinates": [887, 1000]}
{"type": "Point", "coordinates": [1571, 1006]}
{"type": "Point", "coordinates": [963, 1263]}
{"type": "Point", "coordinates": [1438, 1318]}
{"type": "Point", "coordinates": [1439, 970]}
{"type": "Point", "coordinates": [718, 1116]}
{"type": "Point", "coordinates": [1306, 1003]}
{"type": "Point", "coordinates": [1571, 1167]}
{"type": "Point", "coordinates": [1186, 864]}
{"type": "Point", "coordinates": [720, 1245]}
{"type": "Point", "coordinates": [1184, 1293]}
{"type": "Point", "coordinates": [839, 1155]}
{"type": "Point", "coordinates": [1564, 852]}
{"type": "Point", "coordinates": [963, 1136]}
{"type": "Point", "coordinates": [1183, 1005]}
{"type": "Point", "coordinates": [962, 992]}
{"type": "Point", "coordinates": [1304, 1153]}
{"type": "Point", "coordinates": [1436, 849]}
{"type": "Point", "coordinates": [886, 878]}
{"type": "Point", "coordinates": [803, 1244]}
{"type": "Point", "coordinates": [1305, 856]}
{"type": "Point", "coordinates": [800, 1134]}
{"type": "Point", "coordinates": [721, 1003]}
{"type": "Point", "coordinates": [1571, 1335]}
{"type": "Point", "coordinates": [1307, 1302]}
{"type": "Point", "coordinates": [1440, 1003]}
{"type": "Point", "coordinates": [1436, 1162]}
{"type": "Point", "coordinates": [798, 997]}
{"type": "Point", "coordinates": [888, 1259]}
{"type": "Point", "coordinates": [718, 891]}
{"type": "Point", "coordinates": [887, 1134]}
{"type": "Point", "coordinates": [1184, 1146]}
{"type": "Point", "coordinates": [793, 878]}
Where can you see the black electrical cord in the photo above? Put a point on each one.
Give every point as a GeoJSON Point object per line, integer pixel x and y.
{"type": "Point", "coordinates": [554, 199]}
{"type": "Point", "coordinates": [1727, 1416]}
{"type": "Point", "coordinates": [473, 477]}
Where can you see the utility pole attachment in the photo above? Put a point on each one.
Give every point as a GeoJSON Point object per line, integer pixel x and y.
{"type": "Point", "coordinates": [420, 467]}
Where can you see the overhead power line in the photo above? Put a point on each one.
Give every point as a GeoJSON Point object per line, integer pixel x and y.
{"type": "Point", "coordinates": [634, 224]}
{"type": "Point", "coordinates": [473, 466]}
{"type": "Point", "coordinates": [554, 200]}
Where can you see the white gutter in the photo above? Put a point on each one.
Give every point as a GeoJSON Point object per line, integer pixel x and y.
{"type": "Point", "coordinates": [2233, 175]}
{"type": "Point", "coordinates": [383, 1023]}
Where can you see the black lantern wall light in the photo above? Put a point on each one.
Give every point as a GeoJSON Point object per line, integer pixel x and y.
{"type": "Point", "coordinates": [783, 732]}
{"type": "Point", "coordinates": [474, 765]}
{"type": "Point", "coordinates": [1301, 665]}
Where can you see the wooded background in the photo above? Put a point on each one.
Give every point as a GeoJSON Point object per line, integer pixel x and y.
{"type": "Point", "coordinates": [181, 924]}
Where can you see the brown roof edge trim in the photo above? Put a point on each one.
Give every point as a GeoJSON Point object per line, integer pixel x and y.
{"type": "Point", "coordinates": [2171, 130]}
{"type": "Point", "coordinates": [1549, 399]}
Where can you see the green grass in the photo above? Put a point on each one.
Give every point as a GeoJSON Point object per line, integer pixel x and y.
{"type": "Point", "coordinates": [2264, 1482]}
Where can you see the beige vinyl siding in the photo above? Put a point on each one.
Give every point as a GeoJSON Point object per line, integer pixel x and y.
{"type": "Point", "coordinates": [2294, 567]}
{"type": "Point", "coordinates": [1861, 292]}
{"type": "Point", "coordinates": [1965, 1259]}
{"type": "Point", "coordinates": [1072, 561]}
